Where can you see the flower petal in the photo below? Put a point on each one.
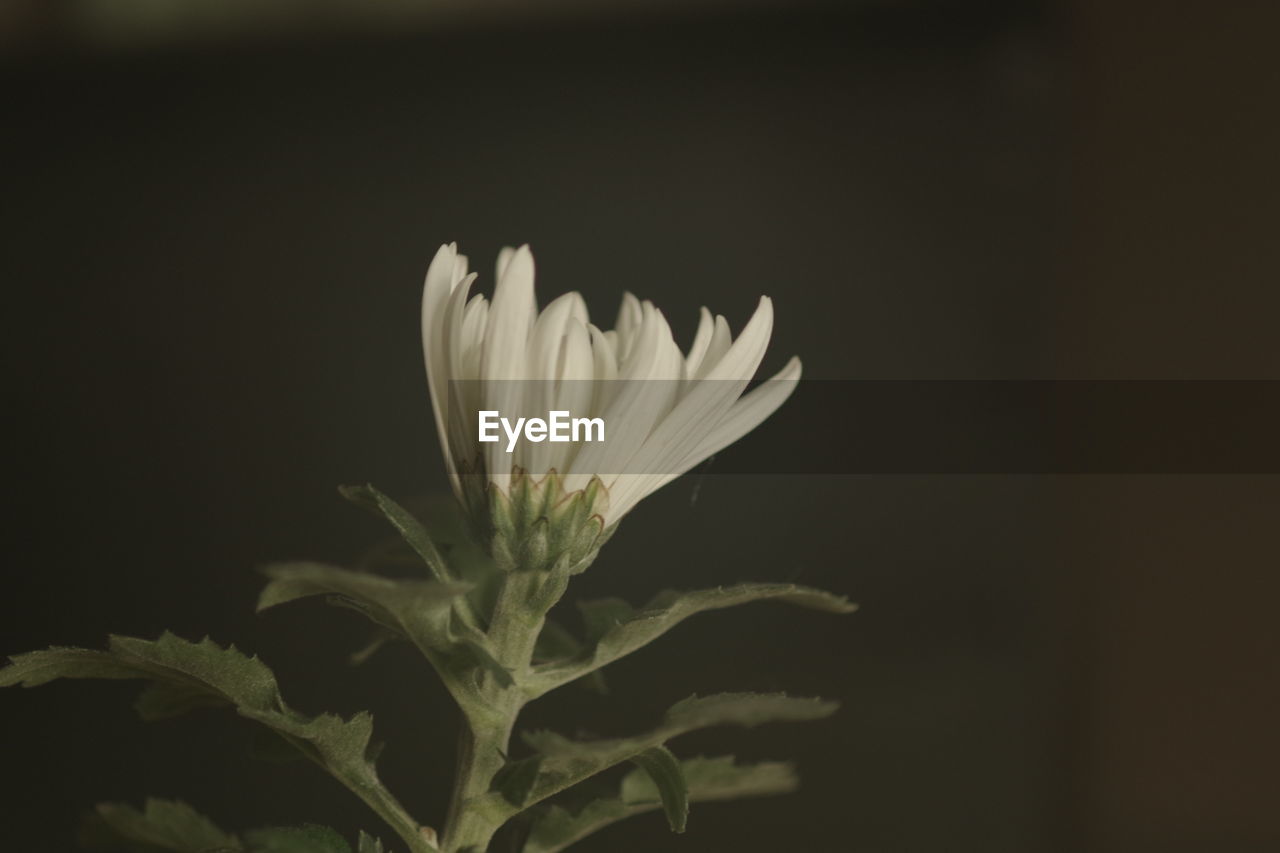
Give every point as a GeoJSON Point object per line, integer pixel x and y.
{"type": "Point", "coordinates": [436, 288]}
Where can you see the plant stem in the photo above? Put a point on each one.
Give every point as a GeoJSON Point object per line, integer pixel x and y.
{"type": "Point", "coordinates": [390, 810]}
{"type": "Point", "coordinates": [517, 619]}
{"type": "Point", "coordinates": [373, 794]}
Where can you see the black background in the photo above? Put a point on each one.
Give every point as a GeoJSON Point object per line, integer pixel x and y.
{"type": "Point", "coordinates": [213, 255]}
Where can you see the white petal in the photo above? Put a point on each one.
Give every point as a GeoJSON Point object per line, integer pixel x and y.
{"type": "Point", "coordinates": [746, 414]}
{"type": "Point", "coordinates": [719, 345]}
{"type": "Point", "coordinates": [704, 404]}
{"type": "Point", "coordinates": [546, 345]}
{"type": "Point", "coordinates": [745, 354]}
{"type": "Point", "coordinates": [505, 353]}
{"type": "Point", "coordinates": [466, 322]}
{"type": "Point", "coordinates": [701, 340]}
{"type": "Point", "coordinates": [639, 402]}
{"type": "Point", "coordinates": [604, 353]}
{"type": "Point", "coordinates": [435, 294]}
{"type": "Point", "coordinates": [630, 316]}
{"type": "Point", "coordinates": [504, 257]}
{"type": "Point", "coordinates": [574, 389]}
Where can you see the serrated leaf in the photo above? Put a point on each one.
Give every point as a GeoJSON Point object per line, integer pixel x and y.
{"type": "Point", "coordinates": [557, 827]}
{"type": "Point", "coordinates": [602, 615]}
{"type": "Point", "coordinates": [468, 561]}
{"type": "Point", "coordinates": [557, 643]}
{"type": "Point", "coordinates": [667, 776]}
{"type": "Point", "coordinates": [405, 523]}
{"type": "Point", "coordinates": [204, 669]}
{"type": "Point", "coordinates": [296, 839]}
{"type": "Point", "coordinates": [168, 825]}
{"type": "Point", "coordinates": [421, 611]}
{"type": "Point", "coordinates": [162, 700]}
{"type": "Point", "coordinates": [614, 629]}
{"type": "Point", "coordinates": [219, 675]}
{"type": "Point", "coordinates": [745, 709]}
{"type": "Point", "coordinates": [31, 669]}
{"type": "Point", "coordinates": [515, 780]}
{"type": "Point", "coordinates": [708, 779]}
{"type": "Point", "coordinates": [568, 762]}
{"type": "Point", "coordinates": [389, 601]}
{"type": "Point", "coordinates": [720, 778]}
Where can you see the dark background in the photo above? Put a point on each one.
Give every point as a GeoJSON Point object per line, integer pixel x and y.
{"type": "Point", "coordinates": [214, 236]}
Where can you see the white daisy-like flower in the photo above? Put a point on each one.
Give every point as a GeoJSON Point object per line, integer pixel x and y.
{"type": "Point", "coordinates": [666, 410]}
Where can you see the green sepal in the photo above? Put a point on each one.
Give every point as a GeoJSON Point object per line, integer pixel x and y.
{"type": "Point", "coordinates": [614, 629]}
{"type": "Point", "coordinates": [708, 779]}
{"type": "Point", "coordinates": [534, 525]}
{"type": "Point", "coordinates": [667, 776]}
{"type": "Point", "coordinates": [296, 839]}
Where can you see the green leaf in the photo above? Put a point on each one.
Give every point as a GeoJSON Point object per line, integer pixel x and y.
{"type": "Point", "coordinates": [708, 779]}
{"type": "Point", "coordinates": [718, 778]}
{"type": "Point", "coordinates": [418, 610]}
{"type": "Point", "coordinates": [567, 762]}
{"type": "Point", "coordinates": [745, 709]}
{"type": "Point", "coordinates": [167, 825]}
{"type": "Point", "coordinates": [197, 674]}
{"type": "Point", "coordinates": [405, 523]}
{"type": "Point", "coordinates": [388, 601]}
{"type": "Point", "coordinates": [161, 700]}
{"type": "Point", "coordinates": [602, 615]}
{"type": "Point", "coordinates": [296, 839]}
{"type": "Point", "coordinates": [32, 669]}
{"type": "Point", "coordinates": [446, 523]}
{"type": "Point", "coordinates": [194, 674]}
{"type": "Point", "coordinates": [668, 777]}
{"type": "Point", "coordinates": [616, 630]}
{"type": "Point", "coordinates": [557, 644]}
{"type": "Point", "coordinates": [558, 827]}
{"type": "Point", "coordinates": [516, 779]}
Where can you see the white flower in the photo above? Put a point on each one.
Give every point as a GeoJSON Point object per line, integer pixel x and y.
{"type": "Point", "coordinates": [658, 429]}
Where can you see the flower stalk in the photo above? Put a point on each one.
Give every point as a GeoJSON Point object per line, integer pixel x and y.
{"type": "Point", "coordinates": [519, 614]}
{"type": "Point", "coordinates": [478, 607]}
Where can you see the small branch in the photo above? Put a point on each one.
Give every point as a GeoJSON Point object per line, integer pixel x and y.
{"type": "Point", "coordinates": [383, 803]}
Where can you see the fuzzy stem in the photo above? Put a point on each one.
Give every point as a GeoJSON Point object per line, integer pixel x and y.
{"type": "Point", "coordinates": [518, 617]}
{"type": "Point", "coordinates": [393, 813]}
{"type": "Point", "coordinates": [379, 799]}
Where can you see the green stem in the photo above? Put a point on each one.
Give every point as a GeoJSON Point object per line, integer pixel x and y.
{"type": "Point", "coordinates": [379, 799]}
{"type": "Point", "coordinates": [389, 809]}
{"type": "Point", "coordinates": [518, 617]}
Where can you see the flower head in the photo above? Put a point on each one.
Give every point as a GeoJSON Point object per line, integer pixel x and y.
{"type": "Point", "coordinates": [667, 410]}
